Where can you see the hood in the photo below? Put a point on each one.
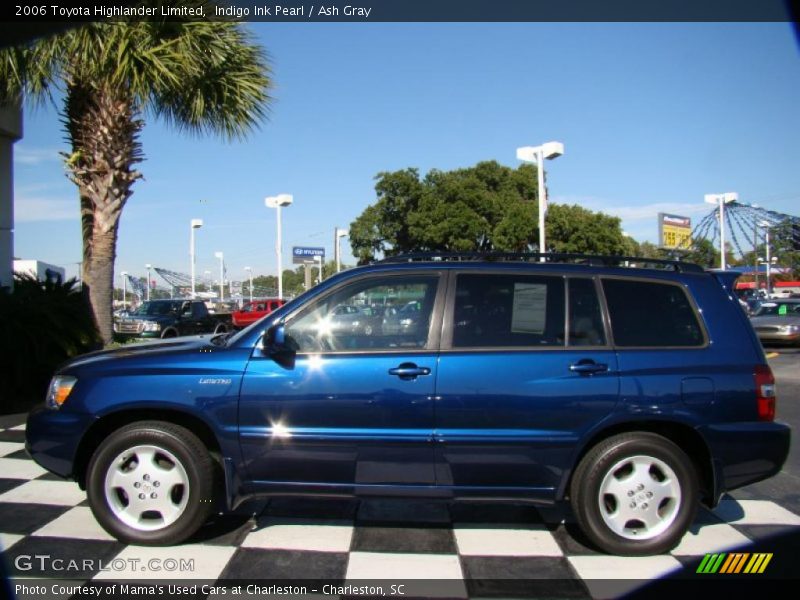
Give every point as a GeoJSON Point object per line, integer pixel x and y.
{"type": "Point", "coordinates": [149, 318]}
{"type": "Point", "coordinates": [142, 350]}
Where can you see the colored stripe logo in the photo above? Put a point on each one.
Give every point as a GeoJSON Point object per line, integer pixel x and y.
{"type": "Point", "coordinates": [734, 562]}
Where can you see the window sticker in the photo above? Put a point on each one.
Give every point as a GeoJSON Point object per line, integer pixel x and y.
{"type": "Point", "coordinates": [783, 309]}
{"type": "Point", "coordinates": [530, 308]}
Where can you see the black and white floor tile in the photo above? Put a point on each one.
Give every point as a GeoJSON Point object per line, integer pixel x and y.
{"type": "Point", "coordinates": [486, 550]}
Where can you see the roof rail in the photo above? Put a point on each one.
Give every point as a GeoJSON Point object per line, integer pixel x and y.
{"type": "Point", "coordinates": [550, 257]}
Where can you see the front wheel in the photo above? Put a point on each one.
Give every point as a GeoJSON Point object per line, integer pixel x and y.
{"type": "Point", "coordinates": [151, 483]}
{"type": "Point", "coordinates": [635, 494]}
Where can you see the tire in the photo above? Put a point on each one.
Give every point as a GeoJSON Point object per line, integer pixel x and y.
{"type": "Point", "coordinates": [169, 333]}
{"type": "Point", "coordinates": [151, 483]}
{"type": "Point", "coordinates": [221, 328]}
{"type": "Point", "coordinates": [635, 494]}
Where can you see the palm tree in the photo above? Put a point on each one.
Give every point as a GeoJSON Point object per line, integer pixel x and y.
{"type": "Point", "coordinates": [199, 76]}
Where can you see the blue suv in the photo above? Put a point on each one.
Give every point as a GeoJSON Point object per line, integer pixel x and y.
{"type": "Point", "coordinates": [631, 388]}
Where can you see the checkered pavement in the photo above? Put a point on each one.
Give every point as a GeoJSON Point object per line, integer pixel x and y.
{"type": "Point", "coordinates": [483, 548]}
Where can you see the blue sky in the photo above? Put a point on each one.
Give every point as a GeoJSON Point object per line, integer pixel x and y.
{"type": "Point", "coordinates": [652, 116]}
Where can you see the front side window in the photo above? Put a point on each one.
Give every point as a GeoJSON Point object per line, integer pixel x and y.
{"type": "Point", "coordinates": [386, 313]}
{"type": "Point", "coordinates": [651, 314]}
{"type": "Point", "coordinates": [508, 311]}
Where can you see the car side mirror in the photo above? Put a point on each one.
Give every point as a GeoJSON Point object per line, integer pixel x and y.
{"type": "Point", "coordinates": [274, 345]}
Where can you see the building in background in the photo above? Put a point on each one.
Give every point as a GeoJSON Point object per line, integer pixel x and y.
{"type": "Point", "coordinates": [41, 270]}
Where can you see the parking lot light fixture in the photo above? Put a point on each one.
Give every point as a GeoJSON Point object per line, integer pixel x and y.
{"type": "Point", "coordinates": [250, 274]}
{"type": "Point", "coordinates": [538, 154]}
{"type": "Point", "coordinates": [721, 200]}
{"type": "Point", "coordinates": [338, 235]}
{"type": "Point", "coordinates": [195, 224]}
{"type": "Point", "coordinates": [148, 266]}
{"type": "Point", "coordinates": [124, 290]}
{"type": "Point", "coordinates": [766, 225]}
{"type": "Point", "coordinates": [221, 258]}
{"type": "Point", "coordinates": [277, 202]}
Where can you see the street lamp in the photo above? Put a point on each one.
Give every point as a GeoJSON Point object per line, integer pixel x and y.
{"type": "Point", "coordinates": [538, 154]}
{"type": "Point", "coordinates": [195, 224]}
{"type": "Point", "coordinates": [250, 273]}
{"type": "Point", "coordinates": [277, 202]}
{"type": "Point", "coordinates": [766, 225]}
{"type": "Point", "coordinates": [148, 267]}
{"type": "Point", "coordinates": [721, 200]}
{"type": "Point", "coordinates": [124, 290]}
{"type": "Point", "coordinates": [221, 258]}
{"type": "Point", "coordinates": [338, 234]}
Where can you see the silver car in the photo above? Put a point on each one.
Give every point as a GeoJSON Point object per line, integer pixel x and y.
{"type": "Point", "coordinates": [778, 321]}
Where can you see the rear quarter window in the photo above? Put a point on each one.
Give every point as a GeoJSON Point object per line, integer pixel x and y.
{"type": "Point", "coordinates": [651, 314]}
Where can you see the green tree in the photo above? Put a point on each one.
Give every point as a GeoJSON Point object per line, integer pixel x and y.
{"type": "Point", "coordinates": [484, 208]}
{"type": "Point", "coordinates": [201, 76]}
{"type": "Point", "coordinates": [703, 253]}
{"type": "Point", "coordinates": [571, 228]}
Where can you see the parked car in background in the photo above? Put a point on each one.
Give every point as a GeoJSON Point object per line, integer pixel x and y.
{"type": "Point", "coordinates": [255, 310]}
{"type": "Point", "coordinates": [632, 393]}
{"type": "Point", "coordinates": [171, 318]}
{"type": "Point", "coordinates": [777, 321]}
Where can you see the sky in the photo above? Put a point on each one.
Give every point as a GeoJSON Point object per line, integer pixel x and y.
{"type": "Point", "coordinates": [653, 116]}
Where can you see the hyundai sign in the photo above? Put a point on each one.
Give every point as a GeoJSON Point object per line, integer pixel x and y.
{"type": "Point", "coordinates": [302, 255]}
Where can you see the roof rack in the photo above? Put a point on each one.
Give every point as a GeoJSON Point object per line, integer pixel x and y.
{"type": "Point", "coordinates": [550, 257]}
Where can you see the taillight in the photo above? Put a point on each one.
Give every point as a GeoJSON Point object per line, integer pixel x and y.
{"type": "Point", "coordinates": [765, 393]}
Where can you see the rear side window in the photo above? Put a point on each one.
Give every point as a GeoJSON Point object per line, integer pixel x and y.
{"type": "Point", "coordinates": [585, 317]}
{"type": "Point", "coordinates": [645, 313]}
{"type": "Point", "coordinates": [508, 311]}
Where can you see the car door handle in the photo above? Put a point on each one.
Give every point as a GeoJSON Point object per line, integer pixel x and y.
{"type": "Point", "coordinates": [409, 371]}
{"type": "Point", "coordinates": [587, 367]}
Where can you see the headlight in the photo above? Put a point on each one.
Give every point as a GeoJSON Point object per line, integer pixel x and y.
{"type": "Point", "coordinates": [792, 328]}
{"type": "Point", "coordinates": [152, 326]}
{"type": "Point", "coordinates": [60, 388]}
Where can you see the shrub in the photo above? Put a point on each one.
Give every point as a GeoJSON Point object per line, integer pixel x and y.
{"type": "Point", "coordinates": [42, 324]}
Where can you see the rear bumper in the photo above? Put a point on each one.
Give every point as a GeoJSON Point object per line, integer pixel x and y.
{"type": "Point", "coordinates": [746, 453]}
{"type": "Point", "coordinates": [52, 438]}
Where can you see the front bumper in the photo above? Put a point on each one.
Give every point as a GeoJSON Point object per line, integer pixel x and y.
{"type": "Point", "coordinates": [52, 438]}
{"type": "Point", "coordinates": [745, 453]}
{"type": "Point", "coordinates": [778, 338]}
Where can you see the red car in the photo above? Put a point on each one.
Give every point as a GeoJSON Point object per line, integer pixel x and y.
{"type": "Point", "coordinates": [253, 311]}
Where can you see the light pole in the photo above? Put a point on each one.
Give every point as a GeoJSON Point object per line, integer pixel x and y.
{"type": "Point", "coordinates": [538, 154]}
{"type": "Point", "coordinates": [277, 202]}
{"type": "Point", "coordinates": [195, 224]}
{"type": "Point", "coordinates": [221, 258]}
{"type": "Point", "coordinates": [766, 225]}
{"type": "Point", "coordinates": [124, 290]}
{"type": "Point", "coordinates": [721, 200]}
{"type": "Point", "coordinates": [250, 274]}
{"type": "Point", "coordinates": [148, 267]}
{"type": "Point", "coordinates": [338, 234]}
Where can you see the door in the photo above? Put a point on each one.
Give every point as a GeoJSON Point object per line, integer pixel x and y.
{"type": "Point", "coordinates": [525, 370]}
{"type": "Point", "coordinates": [355, 405]}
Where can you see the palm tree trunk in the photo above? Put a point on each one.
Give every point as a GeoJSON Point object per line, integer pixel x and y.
{"type": "Point", "coordinates": [103, 128]}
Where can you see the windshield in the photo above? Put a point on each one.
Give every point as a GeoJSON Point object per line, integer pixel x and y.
{"type": "Point", "coordinates": [779, 309]}
{"type": "Point", "coordinates": [155, 309]}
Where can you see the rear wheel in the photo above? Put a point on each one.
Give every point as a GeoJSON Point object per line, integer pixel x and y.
{"type": "Point", "coordinates": [151, 483]}
{"type": "Point", "coordinates": [635, 494]}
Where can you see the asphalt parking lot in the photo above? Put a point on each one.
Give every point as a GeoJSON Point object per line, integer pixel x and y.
{"type": "Point", "coordinates": [482, 550]}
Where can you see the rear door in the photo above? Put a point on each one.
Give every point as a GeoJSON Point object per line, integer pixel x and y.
{"type": "Point", "coordinates": [525, 370]}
